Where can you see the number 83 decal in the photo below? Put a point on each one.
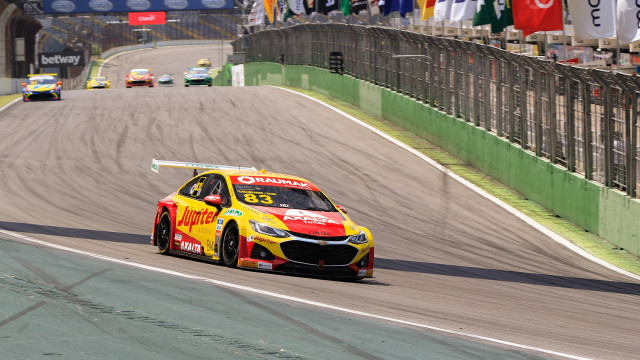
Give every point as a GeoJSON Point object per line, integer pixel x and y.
{"type": "Point", "coordinates": [253, 198]}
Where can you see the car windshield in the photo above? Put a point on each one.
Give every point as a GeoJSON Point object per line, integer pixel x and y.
{"type": "Point", "coordinates": [41, 80]}
{"type": "Point", "coordinates": [139, 72]}
{"type": "Point", "coordinates": [283, 197]}
{"type": "Point", "coordinates": [198, 71]}
{"type": "Point", "coordinates": [101, 79]}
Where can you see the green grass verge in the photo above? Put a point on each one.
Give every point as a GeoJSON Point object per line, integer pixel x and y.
{"type": "Point", "coordinates": [5, 99]}
{"type": "Point", "coordinates": [588, 241]}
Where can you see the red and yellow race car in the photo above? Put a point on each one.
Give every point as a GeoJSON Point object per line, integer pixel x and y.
{"type": "Point", "coordinates": [140, 77]}
{"type": "Point", "coordinates": [260, 220]}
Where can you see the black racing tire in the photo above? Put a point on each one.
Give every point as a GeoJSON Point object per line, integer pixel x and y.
{"type": "Point", "coordinates": [186, 85]}
{"type": "Point", "coordinates": [230, 245]}
{"type": "Point", "coordinates": [163, 233]}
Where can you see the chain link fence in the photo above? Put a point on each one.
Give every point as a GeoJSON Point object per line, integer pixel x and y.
{"type": "Point", "coordinates": [585, 120]}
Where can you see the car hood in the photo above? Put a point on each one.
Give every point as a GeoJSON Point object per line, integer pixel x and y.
{"type": "Point", "coordinates": [316, 223]}
{"type": "Point", "coordinates": [41, 87]}
{"type": "Point", "coordinates": [139, 77]}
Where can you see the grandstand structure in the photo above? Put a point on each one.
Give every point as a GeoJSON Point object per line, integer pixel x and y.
{"type": "Point", "coordinates": [100, 33]}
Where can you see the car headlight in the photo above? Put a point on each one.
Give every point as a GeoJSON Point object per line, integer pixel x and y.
{"type": "Point", "coordinates": [268, 230]}
{"type": "Point", "coordinates": [360, 238]}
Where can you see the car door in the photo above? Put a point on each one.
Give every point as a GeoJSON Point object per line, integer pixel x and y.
{"type": "Point", "coordinates": [195, 220]}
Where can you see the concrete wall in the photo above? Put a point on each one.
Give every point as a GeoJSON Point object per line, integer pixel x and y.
{"type": "Point", "coordinates": [606, 212]}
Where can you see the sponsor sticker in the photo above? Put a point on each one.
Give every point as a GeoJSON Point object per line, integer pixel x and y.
{"type": "Point", "coordinates": [250, 238]}
{"type": "Point", "coordinates": [265, 266]}
{"type": "Point", "coordinates": [262, 240]}
{"type": "Point", "coordinates": [362, 272]}
{"type": "Point", "coordinates": [233, 212]}
{"type": "Point", "coordinates": [178, 237]}
{"type": "Point", "coordinates": [247, 263]}
{"type": "Point", "coordinates": [191, 247]}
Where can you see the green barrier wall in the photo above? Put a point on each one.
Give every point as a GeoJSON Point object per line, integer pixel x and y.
{"type": "Point", "coordinates": [603, 211]}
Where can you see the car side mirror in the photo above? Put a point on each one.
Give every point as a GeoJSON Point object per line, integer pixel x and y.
{"type": "Point", "coordinates": [341, 208]}
{"type": "Point", "coordinates": [213, 200]}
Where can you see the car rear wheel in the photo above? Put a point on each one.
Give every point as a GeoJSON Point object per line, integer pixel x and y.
{"type": "Point", "coordinates": [230, 245]}
{"type": "Point", "coordinates": [163, 233]}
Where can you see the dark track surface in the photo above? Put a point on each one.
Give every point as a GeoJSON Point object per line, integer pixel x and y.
{"type": "Point", "coordinates": [77, 173]}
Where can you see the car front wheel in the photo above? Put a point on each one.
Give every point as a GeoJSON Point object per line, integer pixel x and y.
{"type": "Point", "coordinates": [230, 245]}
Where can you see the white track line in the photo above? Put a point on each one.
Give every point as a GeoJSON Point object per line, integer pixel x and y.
{"type": "Point", "coordinates": [289, 298]}
{"type": "Point", "coordinates": [556, 237]}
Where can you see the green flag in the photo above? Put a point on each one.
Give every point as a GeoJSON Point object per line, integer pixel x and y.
{"type": "Point", "coordinates": [481, 17]}
{"type": "Point", "coordinates": [346, 7]}
{"type": "Point", "coordinates": [500, 14]}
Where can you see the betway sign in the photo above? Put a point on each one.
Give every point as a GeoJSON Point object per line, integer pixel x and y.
{"type": "Point", "coordinates": [64, 59]}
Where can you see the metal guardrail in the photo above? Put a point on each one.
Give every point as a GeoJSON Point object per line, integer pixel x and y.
{"type": "Point", "coordinates": [585, 120]}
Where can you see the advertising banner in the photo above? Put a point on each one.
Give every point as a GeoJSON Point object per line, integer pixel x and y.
{"type": "Point", "coordinates": [147, 18]}
{"type": "Point", "coordinates": [107, 6]}
{"type": "Point", "coordinates": [63, 59]}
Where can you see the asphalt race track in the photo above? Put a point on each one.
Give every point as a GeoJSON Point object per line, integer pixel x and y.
{"type": "Point", "coordinates": [76, 173]}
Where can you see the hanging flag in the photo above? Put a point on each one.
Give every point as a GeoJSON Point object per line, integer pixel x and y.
{"type": "Point", "coordinates": [309, 6]}
{"type": "Point", "coordinates": [357, 6]}
{"type": "Point", "coordinates": [270, 10]}
{"type": "Point", "coordinates": [537, 15]}
{"type": "Point", "coordinates": [481, 17]}
{"type": "Point", "coordinates": [442, 10]}
{"type": "Point", "coordinates": [426, 11]}
{"type": "Point", "coordinates": [327, 6]}
{"type": "Point", "coordinates": [256, 17]}
{"type": "Point", "coordinates": [628, 20]}
{"type": "Point", "coordinates": [500, 14]}
{"type": "Point", "coordinates": [462, 10]}
{"type": "Point", "coordinates": [391, 6]}
{"type": "Point", "coordinates": [593, 19]}
{"type": "Point", "coordinates": [345, 6]}
{"type": "Point", "coordinates": [374, 6]}
{"type": "Point", "coordinates": [406, 6]}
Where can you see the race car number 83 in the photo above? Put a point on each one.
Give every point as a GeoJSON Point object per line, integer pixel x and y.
{"type": "Point", "coordinates": [253, 198]}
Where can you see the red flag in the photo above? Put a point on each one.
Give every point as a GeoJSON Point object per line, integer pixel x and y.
{"type": "Point", "coordinates": [537, 15]}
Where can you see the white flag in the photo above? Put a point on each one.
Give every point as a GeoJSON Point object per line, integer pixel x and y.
{"type": "Point", "coordinates": [595, 21]}
{"type": "Point", "coordinates": [256, 17]}
{"type": "Point", "coordinates": [442, 10]}
{"type": "Point", "coordinates": [628, 20]}
{"type": "Point", "coordinates": [462, 10]}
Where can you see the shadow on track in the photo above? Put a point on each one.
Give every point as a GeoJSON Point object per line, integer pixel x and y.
{"type": "Point", "coordinates": [75, 233]}
{"type": "Point", "coordinates": [510, 276]}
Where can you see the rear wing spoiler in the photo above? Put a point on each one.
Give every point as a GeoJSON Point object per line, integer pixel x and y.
{"type": "Point", "coordinates": [156, 164]}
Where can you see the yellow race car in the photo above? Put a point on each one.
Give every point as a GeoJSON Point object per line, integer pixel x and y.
{"type": "Point", "coordinates": [204, 62]}
{"type": "Point", "coordinates": [246, 218]}
{"type": "Point", "coordinates": [98, 82]}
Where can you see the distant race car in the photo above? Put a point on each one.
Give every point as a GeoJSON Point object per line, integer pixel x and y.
{"type": "Point", "coordinates": [260, 220]}
{"type": "Point", "coordinates": [165, 79]}
{"type": "Point", "coordinates": [41, 87]}
{"type": "Point", "coordinates": [204, 62]}
{"type": "Point", "coordinates": [140, 77]}
{"type": "Point", "coordinates": [99, 82]}
{"type": "Point", "coordinates": [198, 76]}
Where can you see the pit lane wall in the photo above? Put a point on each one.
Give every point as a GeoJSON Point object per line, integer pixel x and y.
{"type": "Point", "coordinates": [604, 211]}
